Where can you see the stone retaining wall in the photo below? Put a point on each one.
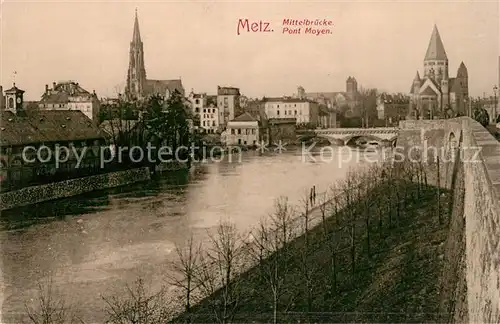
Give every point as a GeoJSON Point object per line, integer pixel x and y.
{"type": "Point", "coordinates": [73, 187]}
{"type": "Point", "coordinates": [480, 160]}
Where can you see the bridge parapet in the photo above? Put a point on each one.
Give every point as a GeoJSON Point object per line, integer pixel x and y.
{"type": "Point", "coordinates": [379, 130]}
{"type": "Point", "coordinates": [480, 159]}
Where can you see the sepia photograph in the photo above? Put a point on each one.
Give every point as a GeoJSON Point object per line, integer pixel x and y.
{"type": "Point", "coordinates": [249, 161]}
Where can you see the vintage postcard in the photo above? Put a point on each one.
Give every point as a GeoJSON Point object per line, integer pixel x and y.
{"type": "Point", "coordinates": [249, 161]}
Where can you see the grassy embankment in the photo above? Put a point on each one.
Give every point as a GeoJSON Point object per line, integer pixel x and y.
{"type": "Point", "coordinates": [378, 259]}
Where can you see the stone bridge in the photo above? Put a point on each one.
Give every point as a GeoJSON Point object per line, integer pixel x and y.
{"type": "Point", "coordinates": [471, 254]}
{"type": "Point", "coordinates": [347, 136]}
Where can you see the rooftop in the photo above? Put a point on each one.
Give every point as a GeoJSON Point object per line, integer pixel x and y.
{"type": "Point", "coordinates": [46, 126]}
{"type": "Point", "coordinates": [245, 117]}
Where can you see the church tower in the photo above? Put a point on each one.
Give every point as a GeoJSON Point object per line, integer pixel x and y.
{"type": "Point", "coordinates": [136, 77]}
{"type": "Point", "coordinates": [14, 100]}
{"type": "Point", "coordinates": [436, 61]}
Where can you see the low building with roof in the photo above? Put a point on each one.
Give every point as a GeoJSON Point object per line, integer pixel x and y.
{"type": "Point", "coordinates": [282, 129]}
{"type": "Point", "coordinates": [391, 108]}
{"type": "Point", "coordinates": [69, 95]}
{"type": "Point", "coordinates": [29, 141]}
{"type": "Point", "coordinates": [305, 111]}
{"type": "Point", "coordinates": [242, 130]}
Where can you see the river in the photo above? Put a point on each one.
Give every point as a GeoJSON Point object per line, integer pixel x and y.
{"type": "Point", "coordinates": [93, 244]}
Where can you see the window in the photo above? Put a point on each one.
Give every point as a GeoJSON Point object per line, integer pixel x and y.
{"type": "Point", "coordinates": [197, 110]}
{"type": "Point", "coordinates": [239, 131]}
{"type": "Point", "coordinates": [278, 112]}
{"type": "Point", "coordinates": [213, 110]}
{"type": "Point", "coordinates": [197, 101]}
{"type": "Point", "coordinates": [225, 101]}
{"type": "Point", "coordinates": [285, 112]}
{"type": "Point", "coordinates": [295, 112]}
{"type": "Point", "coordinates": [278, 106]}
{"type": "Point", "coordinates": [203, 123]}
{"type": "Point", "coordinates": [232, 131]}
{"type": "Point", "coordinates": [11, 103]}
{"type": "Point", "coordinates": [213, 123]}
{"type": "Point", "coordinates": [253, 132]}
{"type": "Point", "coordinates": [204, 110]}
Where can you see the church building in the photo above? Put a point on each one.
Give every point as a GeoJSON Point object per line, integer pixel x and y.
{"type": "Point", "coordinates": [138, 86]}
{"type": "Point", "coordinates": [436, 95]}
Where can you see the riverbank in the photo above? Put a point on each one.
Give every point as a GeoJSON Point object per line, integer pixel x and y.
{"type": "Point", "coordinates": [390, 274]}
{"type": "Point", "coordinates": [73, 187]}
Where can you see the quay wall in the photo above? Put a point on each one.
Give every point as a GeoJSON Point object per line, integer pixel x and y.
{"type": "Point", "coordinates": [62, 189]}
{"type": "Point", "coordinates": [473, 246]}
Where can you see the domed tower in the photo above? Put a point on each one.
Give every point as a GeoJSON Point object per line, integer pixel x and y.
{"type": "Point", "coordinates": [436, 60]}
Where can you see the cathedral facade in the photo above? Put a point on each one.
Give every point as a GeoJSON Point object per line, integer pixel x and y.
{"type": "Point", "coordinates": [138, 86]}
{"type": "Point", "coordinates": [435, 94]}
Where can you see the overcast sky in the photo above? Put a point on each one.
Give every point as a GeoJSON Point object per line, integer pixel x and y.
{"type": "Point", "coordinates": [382, 44]}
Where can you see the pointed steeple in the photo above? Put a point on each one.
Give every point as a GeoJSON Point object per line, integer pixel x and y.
{"type": "Point", "coordinates": [417, 77]}
{"type": "Point", "coordinates": [462, 71]}
{"type": "Point", "coordinates": [136, 38]}
{"type": "Point", "coordinates": [435, 50]}
{"type": "Point", "coordinates": [136, 76]}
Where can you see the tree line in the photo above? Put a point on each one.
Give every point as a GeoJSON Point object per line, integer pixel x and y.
{"type": "Point", "coordinates": [156, 120]}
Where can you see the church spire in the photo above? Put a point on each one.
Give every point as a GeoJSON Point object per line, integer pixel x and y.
{"type": "Point", "coordinates": [435, 50]}
{"type": "Point", "coordinates": [136, 76]}
{"type": "Point", "coordinates": [417, 77]}
{"type": "Point", "coordinates": [136, 38]}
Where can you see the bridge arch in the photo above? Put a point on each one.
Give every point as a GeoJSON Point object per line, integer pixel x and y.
{"type": "Point", "coordinates": [332, 140]}
{"type": "Point", "coordinates": [452, 140]}
{"type": "Point", "coordinates": [350, 140]}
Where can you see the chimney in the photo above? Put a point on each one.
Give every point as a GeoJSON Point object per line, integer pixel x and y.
{"type": "Point", "coordinates": [46, 88]}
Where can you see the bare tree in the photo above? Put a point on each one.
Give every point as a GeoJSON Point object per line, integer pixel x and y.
{"type": "Point", "coordinates": [349, 186]}
{"type": "Point", "coordinates": [306, 202]}
{"type": "Point", "coordinates": [50, 309]}
{"type": "Point", "coordinates": [307, 272]}
{"type": "Point", "coordinates": [271, 253]}
{"type": "Point", "coordinates": [220, 270]}
{"type": "Point", "coordinates": [272, 241]}
{"type": "Point", "coordinates": [186, 265]}
{"type": "Point", "coordinates": [137, 306]}
{"type": "Point", "coordinates": [324, 205]}
{"type": "Point", "coordinates": [438, 190]}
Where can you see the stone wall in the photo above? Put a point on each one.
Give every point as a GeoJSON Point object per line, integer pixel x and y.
{"type": "Point", "coordinates": [479, 158]}
{"type": "Point", "coordinates": [73, 187]}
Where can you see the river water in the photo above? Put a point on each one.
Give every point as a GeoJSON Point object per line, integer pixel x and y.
{"type": "Point", "coordinates": [93, 244]}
